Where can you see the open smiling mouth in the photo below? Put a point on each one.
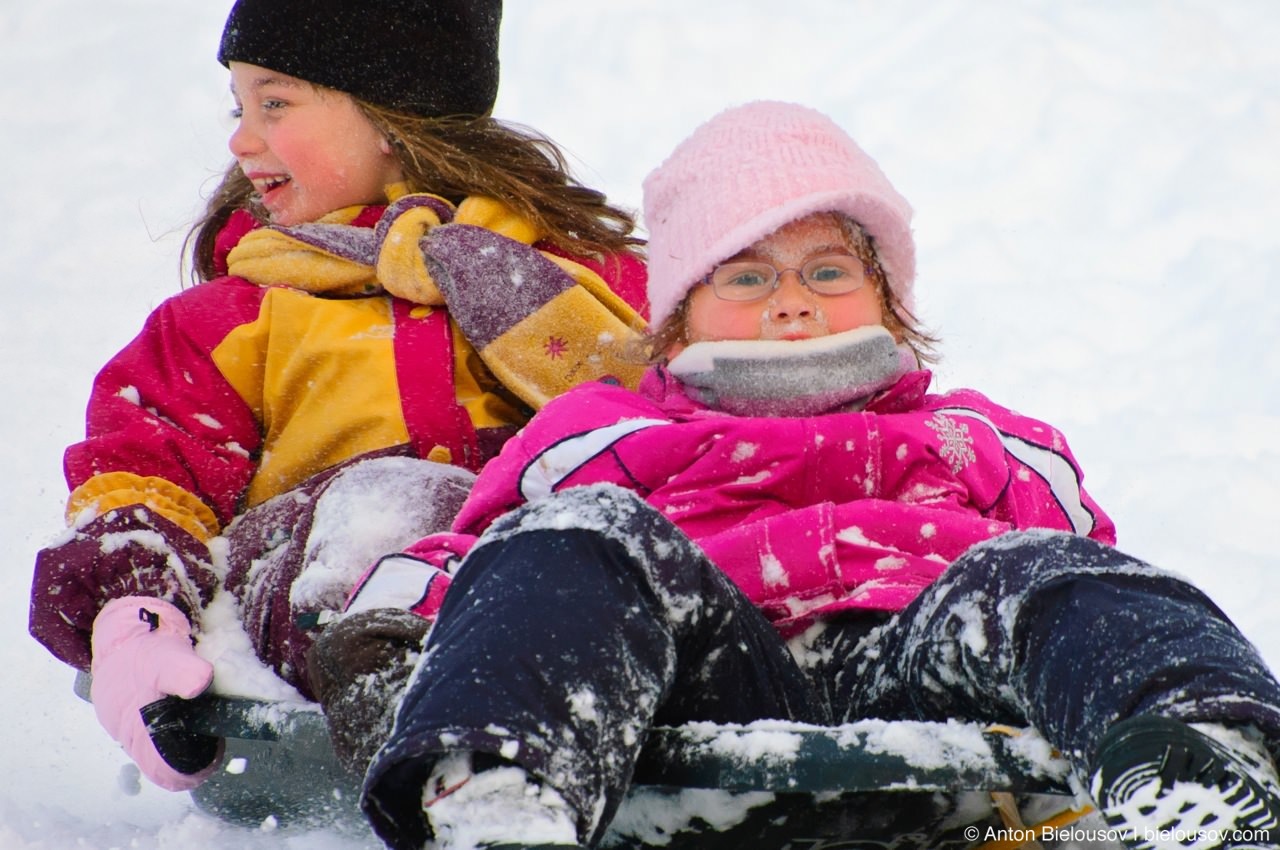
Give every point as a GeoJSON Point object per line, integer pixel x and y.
{"type": "Point", "coordinates": [263, 186]}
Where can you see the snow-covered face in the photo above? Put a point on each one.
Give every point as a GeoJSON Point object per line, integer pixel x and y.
{"type": "Point", "coordinates": [792, 311]}
{"type": "Point", "coordinates": [308, 151]}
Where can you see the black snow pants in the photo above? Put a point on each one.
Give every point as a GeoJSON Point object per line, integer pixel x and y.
{"type": "Point", "coordinates": [581, 620]}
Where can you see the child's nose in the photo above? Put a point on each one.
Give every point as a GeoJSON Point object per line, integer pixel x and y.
{"type": "Point", "coordinates": [244, 141]}
{"type": "Point", "coordinates": [792, 299]}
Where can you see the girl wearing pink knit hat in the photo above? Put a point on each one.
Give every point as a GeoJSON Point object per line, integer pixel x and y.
{"type": "Point", "coordinates": [782, 522]}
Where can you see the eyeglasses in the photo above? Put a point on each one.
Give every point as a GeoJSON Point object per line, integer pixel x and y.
{"type": "Point", "coordinates": [831, 274]}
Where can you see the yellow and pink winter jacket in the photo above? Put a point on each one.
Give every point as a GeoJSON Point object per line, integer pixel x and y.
{"type": "Point", "coordinates": [414, 328]}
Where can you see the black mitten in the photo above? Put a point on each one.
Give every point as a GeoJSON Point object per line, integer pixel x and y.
{"type": "Point", "coordinates": [167, 722]}
{"type": "Point", "coordinates": [358, 668]}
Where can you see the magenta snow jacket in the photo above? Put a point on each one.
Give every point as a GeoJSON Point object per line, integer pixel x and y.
{"type": "Point", "coordinates": [808, 515]}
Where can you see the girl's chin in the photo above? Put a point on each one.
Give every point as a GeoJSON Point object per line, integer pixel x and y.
{"type": "Point", "coordinates": [283, 208]}
{"type": "Point", "coordinates": [285, 217]}
{"type": "Point", "coordinates": [277, 213]}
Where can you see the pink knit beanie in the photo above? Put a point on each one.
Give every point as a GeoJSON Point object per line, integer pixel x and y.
{"type": "Point", "coordinates": [750, 170]}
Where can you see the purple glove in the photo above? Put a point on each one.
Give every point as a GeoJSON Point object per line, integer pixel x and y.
{"type": "Point", "coordinates": [142, 660]}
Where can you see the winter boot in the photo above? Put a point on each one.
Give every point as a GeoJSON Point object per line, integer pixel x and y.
{"type": "Point", "coordinates": [473, 801]}
{"type": "Point", "coordinates": [1167, 785]}
{"type": "Point", "coordinates": [358, 668]}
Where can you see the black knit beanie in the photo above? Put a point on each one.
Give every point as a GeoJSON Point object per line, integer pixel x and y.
{"type": "Point", "coordinates": [427, 57]}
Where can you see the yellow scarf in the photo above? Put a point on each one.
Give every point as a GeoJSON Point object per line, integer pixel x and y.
{"type": "Point", "coordinates": [584, 329]}
{"type": "Point", "coordinates": [272, 257]}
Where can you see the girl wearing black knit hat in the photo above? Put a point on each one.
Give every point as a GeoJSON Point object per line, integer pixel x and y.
{"type": "Point", "coordinates": [390, 281]}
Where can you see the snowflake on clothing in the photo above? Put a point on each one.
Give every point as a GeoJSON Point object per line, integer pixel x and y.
{"type": "Point", "coordinates": [956, 448]}
{"type": "Point", "coordinates": [555, 347]}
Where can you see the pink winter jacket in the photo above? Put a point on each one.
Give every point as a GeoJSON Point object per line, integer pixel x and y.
{"type": "Point", "coordinates": [807, 515]}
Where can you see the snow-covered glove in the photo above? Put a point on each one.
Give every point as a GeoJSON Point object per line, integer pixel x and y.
{"type": "Point", "coordinates": [358, 669]}
{"type": "Point", "coordinates": [144, 668]}
{"type": "Point", "coordinates": [360, 664]}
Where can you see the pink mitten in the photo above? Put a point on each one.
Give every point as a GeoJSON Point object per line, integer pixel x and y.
{"type": "Point", "coordinates": [143, 660]}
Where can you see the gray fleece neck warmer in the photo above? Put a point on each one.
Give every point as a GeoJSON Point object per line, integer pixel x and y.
{"type": "Point", "coordinates": [833, 373]}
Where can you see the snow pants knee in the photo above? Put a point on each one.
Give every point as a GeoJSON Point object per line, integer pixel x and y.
{"type": "Point", "coordinates": [1061, 633]}
{"type": "Point", "coordinates": [297, 556]}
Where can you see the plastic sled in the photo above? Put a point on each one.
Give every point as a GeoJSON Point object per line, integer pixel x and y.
{"type": "Point", "coordinates": [868, 784]}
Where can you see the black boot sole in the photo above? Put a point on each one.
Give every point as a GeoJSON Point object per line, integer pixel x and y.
{"type": "Point", "coordinates": [1151, 780]}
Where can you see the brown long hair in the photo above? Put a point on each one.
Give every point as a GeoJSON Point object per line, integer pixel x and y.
{"type": "Point", "coordinates": [455, 157]}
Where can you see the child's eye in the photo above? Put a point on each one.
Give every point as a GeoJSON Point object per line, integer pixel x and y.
{"type": "Point", "coordinates": [833, 269]}
{"type": "Point", "coordinates": [272, 103]}
{"type": "Point", "coordinates": [236, 113]}
{"type": "Point", "coordinates": [826, 273]}
{"type": "Point", "coordinates": [835, 274]}
{"type": "Point", "coordinates": [747, 280]}
{"type": "Point", "coordinates": [743, 275]}
{"type": "Point", "coordinates": [742, 281]}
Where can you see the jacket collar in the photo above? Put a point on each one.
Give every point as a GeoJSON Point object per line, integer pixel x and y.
{"type": "Point", "coordinates": [664, 389]}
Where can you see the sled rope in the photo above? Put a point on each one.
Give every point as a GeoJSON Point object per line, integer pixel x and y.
{"type": "Point", "coordinates": [1006, 805]}
{"type": "Point", "coordinates": [1044, 828]}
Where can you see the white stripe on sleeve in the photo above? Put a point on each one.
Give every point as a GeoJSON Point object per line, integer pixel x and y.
{"type": "Point", "coordinates": [559, 461]}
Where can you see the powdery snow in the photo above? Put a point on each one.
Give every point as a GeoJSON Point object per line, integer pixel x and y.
{"type": "Point", "coordinates": [654, 818]}
{"type": "Point", "coordinates": [356, 507]}
{"type": "Point", "coordinates": [1096, 192]}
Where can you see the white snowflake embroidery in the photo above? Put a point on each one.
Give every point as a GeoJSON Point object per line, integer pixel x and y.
{"type": "Point", "coordinates": [956, 442]}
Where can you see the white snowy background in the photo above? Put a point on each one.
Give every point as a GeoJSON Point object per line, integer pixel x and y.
{"type": "Point", "coordinates": [1097, 187]}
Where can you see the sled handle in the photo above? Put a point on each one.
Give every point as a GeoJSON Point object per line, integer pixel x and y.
{"type": "Point", "coordinates": [863, 756]}
{"type": "Point", "coordinates": [241, 717]}
{"type": "Point", "coordinates": [850, 758]}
